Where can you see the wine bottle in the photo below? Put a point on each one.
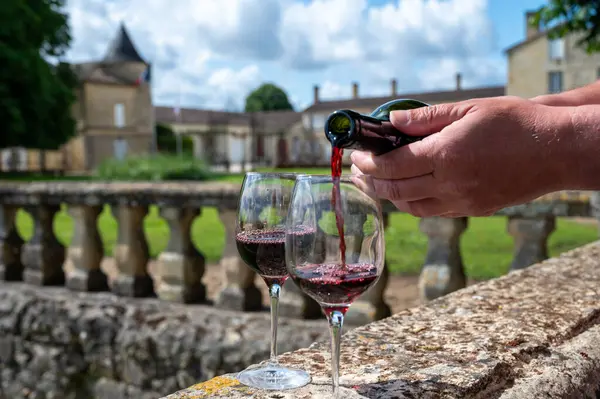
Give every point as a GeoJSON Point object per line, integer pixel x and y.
{"type": "Point", "coordinates": [374, 132]}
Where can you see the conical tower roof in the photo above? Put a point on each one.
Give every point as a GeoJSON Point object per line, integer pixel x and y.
{"type": "Point", "coordinates": [122, 49]}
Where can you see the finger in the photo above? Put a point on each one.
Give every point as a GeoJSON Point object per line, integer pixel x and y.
{"type": "Point", "coordinates": [355, 171]}
{"type": "Point", "coordinates": [412, 189]}
{"type": "Point", "coordinates": [412, 160]}
{"type": "Point", "coordinates": [364, 184]}
{"type": "Point", "coordinates": [428, 120]}
{"type": "Point", "coordinates": [453, 215]}
{"type": "Point", "coordinates": [429, 207]}
{"type": "Point", "coordinates": [404, 206]}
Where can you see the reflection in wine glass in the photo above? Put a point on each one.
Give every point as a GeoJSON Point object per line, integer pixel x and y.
{"type": "Point", "coordinates": [320, 208]}
{"type": "Point", "coordinates": [260, 238]}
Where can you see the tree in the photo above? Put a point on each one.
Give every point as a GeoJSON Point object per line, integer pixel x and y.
{"type": "Point", "coordinates": [36, 90]}
{"type": "Point", "coordinates": [562, 17]}
{"type": "Point", "coordinates": [268, 97]}
{"type": "Point", "coordinates": [167, 142]}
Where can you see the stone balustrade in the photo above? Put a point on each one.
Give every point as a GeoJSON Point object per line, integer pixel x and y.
{"type": "Point", "coordinates": [533, 333]}
{"type": "Point", "coordinates": [44, 261]}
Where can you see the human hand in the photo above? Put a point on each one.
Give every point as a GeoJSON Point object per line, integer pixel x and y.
{"type": "Point", "coordinates": [479, 156]}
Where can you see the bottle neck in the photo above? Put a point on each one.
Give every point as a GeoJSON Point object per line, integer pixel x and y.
{"type": "Point", "coordinates": [349, 129]}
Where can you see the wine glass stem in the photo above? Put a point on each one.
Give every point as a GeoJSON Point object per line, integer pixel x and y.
{"type": "Point", "coordinates": [274, 291]}
{"type": "Point", "coordinates": [336, 321]}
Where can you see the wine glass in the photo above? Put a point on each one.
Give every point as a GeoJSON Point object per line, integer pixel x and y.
{"type": "Point", "coordinates": [260, 239]}
{"type": "Point", "coordinates": [334, 246]}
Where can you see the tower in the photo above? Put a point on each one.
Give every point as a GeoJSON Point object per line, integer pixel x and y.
{"type": "Point", "coordinates": [114, 112]}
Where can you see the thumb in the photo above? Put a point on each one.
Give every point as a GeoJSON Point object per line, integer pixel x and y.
{"type": "Point", "coordinates": [428, 120]}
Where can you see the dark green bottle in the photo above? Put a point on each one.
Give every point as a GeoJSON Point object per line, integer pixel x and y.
{"type": "Point", "coordinates": [374, 133]}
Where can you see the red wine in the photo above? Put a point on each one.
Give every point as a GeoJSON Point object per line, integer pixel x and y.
{"type": "Point", "coordinates": [337, 154]}
{"type": "Point", "coordinates": [264, 251]}
{"type": "Point", "coordinates": [335, 287]}
{"type": "Point", "coordinates": [372, 133]}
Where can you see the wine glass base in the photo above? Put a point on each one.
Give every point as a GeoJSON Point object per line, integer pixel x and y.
{"type": "Point", "coordinates": [274, 377]}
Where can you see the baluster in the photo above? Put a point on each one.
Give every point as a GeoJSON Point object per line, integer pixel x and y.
{"type": "Point", "coordinates": [371, 305]}
{"type": "Point", "coordinates": [443, 271]}
{"type": "Point", "coordinates": [131, 253]}
{"type": "Point", "coordinates": [595, 205]}
{"type": "Point", "coordinates": [181, 266]}
{"type": "Point", "coordinates": [11, 268]}
{"type": "Point", "coordinates": [43, 256]}
{"type": "Point", "coordinates": [239, 292]}
{"type": "Point", "coordinates": [531, 238]}
{"type": "Point", "coordinates": [86, 251]}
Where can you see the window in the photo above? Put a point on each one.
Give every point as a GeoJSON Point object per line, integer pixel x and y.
{"type": "Point", "coordinates": [555, 82]}
{"type": "Point", "coordinates": [306, 122]}
{"type": "Point", "coordinates": [556, 49]}
{"type": "Point", "coordinates": [318, 121]}
{"type": "Point", "coordinates": [119, 115]}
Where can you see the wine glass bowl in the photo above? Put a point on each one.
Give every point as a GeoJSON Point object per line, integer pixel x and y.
{"type": "Point", "coordinates": [260, 240]}
{"type": "Point", "coordinates": [334, 245]}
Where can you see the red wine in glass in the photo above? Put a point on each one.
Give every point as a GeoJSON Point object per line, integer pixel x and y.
{"type": "Point", "coordinates": [260, 240]}
{"type": "Point", "coordinates": [324, 272]}
{"type": "Point", "coordinates": [264, 252]}
{"type": "Point", "coordinates": [335, 287]}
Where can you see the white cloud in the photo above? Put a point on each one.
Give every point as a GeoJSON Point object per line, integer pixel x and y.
{"type": "Point", "coordinates": [332, 90]}
{"type": "Point", "coordinates": [215, 49]}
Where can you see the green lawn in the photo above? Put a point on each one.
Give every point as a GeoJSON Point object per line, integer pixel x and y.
{"type": "Point", "coordinates": [486, 247]}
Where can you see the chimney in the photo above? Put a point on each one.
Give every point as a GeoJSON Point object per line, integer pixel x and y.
{"type": "Point", "coordinates": [316, 94]}
{"type": "Point", "coordinates": [355, 90]}
{"type": "Point", "coordinates": [530, 30]}
{"type": "Point", "coordinates": [458, 81]}
{"type": "Point", "coordinates": [394, 87]}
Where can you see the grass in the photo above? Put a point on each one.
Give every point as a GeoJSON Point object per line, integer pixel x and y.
{"type": "Point", "coordinates": [486, 247]}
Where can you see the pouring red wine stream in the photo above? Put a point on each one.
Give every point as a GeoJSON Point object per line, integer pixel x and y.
{"type": "Point", "coordinates": [336, 172]}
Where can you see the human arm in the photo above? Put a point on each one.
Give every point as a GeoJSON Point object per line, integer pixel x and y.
{"type": "Point", "coordinates": [586, 95]}
{"type": "Point", "coordinates": [482, 155]}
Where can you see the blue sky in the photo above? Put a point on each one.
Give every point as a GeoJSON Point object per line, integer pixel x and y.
{"type": "Point", "coordinates": [212, 53]}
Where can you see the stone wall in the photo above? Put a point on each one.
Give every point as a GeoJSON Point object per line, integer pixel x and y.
{"type": "Point", "coordinates": [57, 344]}
{"type": "Point", "coordinates": [534, 333]}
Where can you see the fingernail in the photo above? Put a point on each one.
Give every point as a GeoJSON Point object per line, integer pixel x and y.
{"type": "Point", "coordinates": [356, 156]}
{"type": "Point", "coordinates": [399, 117]}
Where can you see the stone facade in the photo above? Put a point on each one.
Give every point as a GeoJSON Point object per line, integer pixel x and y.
{"type": "Point", "coordinates": [538, 65]}
{"type": "Point", "coordinates": [236, 140]}
{"type": "Point", "coordinates": [57, 344]}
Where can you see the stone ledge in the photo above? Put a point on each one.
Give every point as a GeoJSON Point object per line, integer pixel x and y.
{"type": "Point", "coordinates": [226, 194]}
{"type": "Point", "coordinates": [56, 343]}
{"type": "Point", "coordinates": [180, 193]}
{"type": "Point", "coordinates": [532, 331]}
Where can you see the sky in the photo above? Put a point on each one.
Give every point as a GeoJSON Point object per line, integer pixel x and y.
{"type": "Point", "coordinates": [211, 53]}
